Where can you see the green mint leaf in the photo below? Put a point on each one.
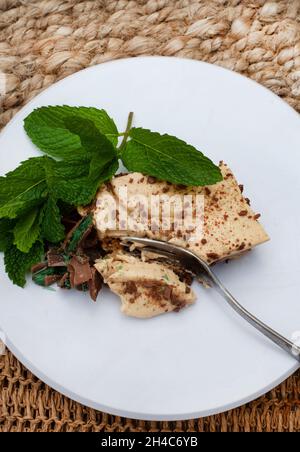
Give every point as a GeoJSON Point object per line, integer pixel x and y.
{"type": "Point", "coordinates": [27, 230]}
{"type": "Point", "coordinates": [17, 263]}
{"type": "Point", "coordinates": [51, 227]}
{"type": "Point", "coordinates": [6, 227]}
{"type": "Point", "coordinates": [168, 158]}
{"type": "Point", "coordinates": [100, 172]}
{"type": "Point", "coordinates": [28, 172]}
{"type": "Point", "coordinates": [95, 143]}
{"type": "Point", "coordinates": [76, 182]}
{"type": "Point", "coordinates": [101, 175]}
{"type": "Point", "coordinates": [56, 142]}
{"type": "Point", "coordinates": [47, 130]}
{"type": "Point", "coordinates": [23, 188]}
{"type": "Point", "coordinates": [69, 180]}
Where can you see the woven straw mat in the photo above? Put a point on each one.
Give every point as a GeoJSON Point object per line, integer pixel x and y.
{"type": "Point", "coordinates": [42, 41]}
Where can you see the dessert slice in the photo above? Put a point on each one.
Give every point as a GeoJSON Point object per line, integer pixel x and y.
{"type": "Point", "coordinates": [230, 226]}
{"type": "Point", "coordinates": [146, 289]}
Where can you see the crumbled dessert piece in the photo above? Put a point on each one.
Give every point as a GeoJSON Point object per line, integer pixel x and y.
{"type": "Point", "coordinates": [146, 289]}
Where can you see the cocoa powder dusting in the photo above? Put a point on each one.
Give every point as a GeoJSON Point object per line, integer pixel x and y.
{"type": "Point", "coordinates": [130, 288]}
{"type": "Point", "coordinates": [213, 256]}
{"type": "Point", "coordinates": [241, 247]}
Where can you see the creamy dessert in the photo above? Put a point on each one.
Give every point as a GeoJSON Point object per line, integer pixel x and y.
{"type": "Point", "coordinates": [230, 226]}
{"type": "Point", "coordinates": [146, 289]}
{"type": "Point", "coordinates": [146, 284]}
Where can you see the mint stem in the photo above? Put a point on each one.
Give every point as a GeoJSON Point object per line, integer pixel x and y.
{"type": "Point", "coordinates": [126, 133]}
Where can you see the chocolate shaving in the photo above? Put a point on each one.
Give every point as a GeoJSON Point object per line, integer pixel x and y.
{"type": "Point", "coordinates": [55, 258]}
{"type": "Point", "coordinates": [241, 247]}
{"type": "Point", "coordinates": [64, 282]}
{"type": "Point", "coordinates": [38, 267]}
{"type": "Point", "coordinates": [80, 270]}
{"type": "Point", "coordinates": [51, 279]}
{"type": "Point", "coordinates": [213, 256]}
{"type": "Point", "coordinates": [77, 234]}
{"type": "Point", "coordinates": [70, 234]}
{"type": "Point", "coordinates": [83, 240]}
{"type": "Point", "coordinates": [72, 263]}
{"type": "Point", "coordinates": [95, 284]}
{"type": "Point", "coordinates": [130, 288]}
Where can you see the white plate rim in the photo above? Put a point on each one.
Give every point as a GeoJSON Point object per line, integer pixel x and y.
{"type": "Point", "coordinates": [144, 416]}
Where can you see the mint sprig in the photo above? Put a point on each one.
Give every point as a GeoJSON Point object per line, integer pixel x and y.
{"type": "Point", "coordinates": [46, 127]}
{"type": "Point", "coordinates": [23, 188]}
{"type": "Point", "coordinates": [168, 158]}
{"type": "Point", "coordinates": [81, 147]}
{"type": "Point", "coordinates": [51, 227]}
{"type": "Point", "coordinates": [27, 230]}
{"type": "Point", "coordinates": [18, 263]}
{"type": "Point", "coordinates": [76, 179]}
{"type": "Point", "coordinates": [6, 228]}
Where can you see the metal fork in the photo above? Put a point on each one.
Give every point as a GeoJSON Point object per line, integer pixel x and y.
{"type": "Point", "coordinates": [199, 268]}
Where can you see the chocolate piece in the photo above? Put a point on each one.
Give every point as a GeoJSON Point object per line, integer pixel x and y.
{"type": "Point", "coordinates": [38, 267]}
{"type": "Point", "coordinates": [55, 258]}
{"type": "Point", "coordinates": [95, 284]}
{"type": "Point", "coordinates": [80, 270]}
{"type": "Point", "coordinates": [64, 283]}
{"type": "Point", "coordinates": [51, 279]}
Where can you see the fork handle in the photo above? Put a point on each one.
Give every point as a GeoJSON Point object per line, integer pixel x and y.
{"type": "Point", "coordinates": [277, 338]}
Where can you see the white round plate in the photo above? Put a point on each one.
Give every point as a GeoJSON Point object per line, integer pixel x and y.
{"type": "Point", "coordinates": [205, 359]}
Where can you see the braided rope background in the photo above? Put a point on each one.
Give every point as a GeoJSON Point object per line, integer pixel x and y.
{"type": "Point", "coordinates": [42, 41]}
